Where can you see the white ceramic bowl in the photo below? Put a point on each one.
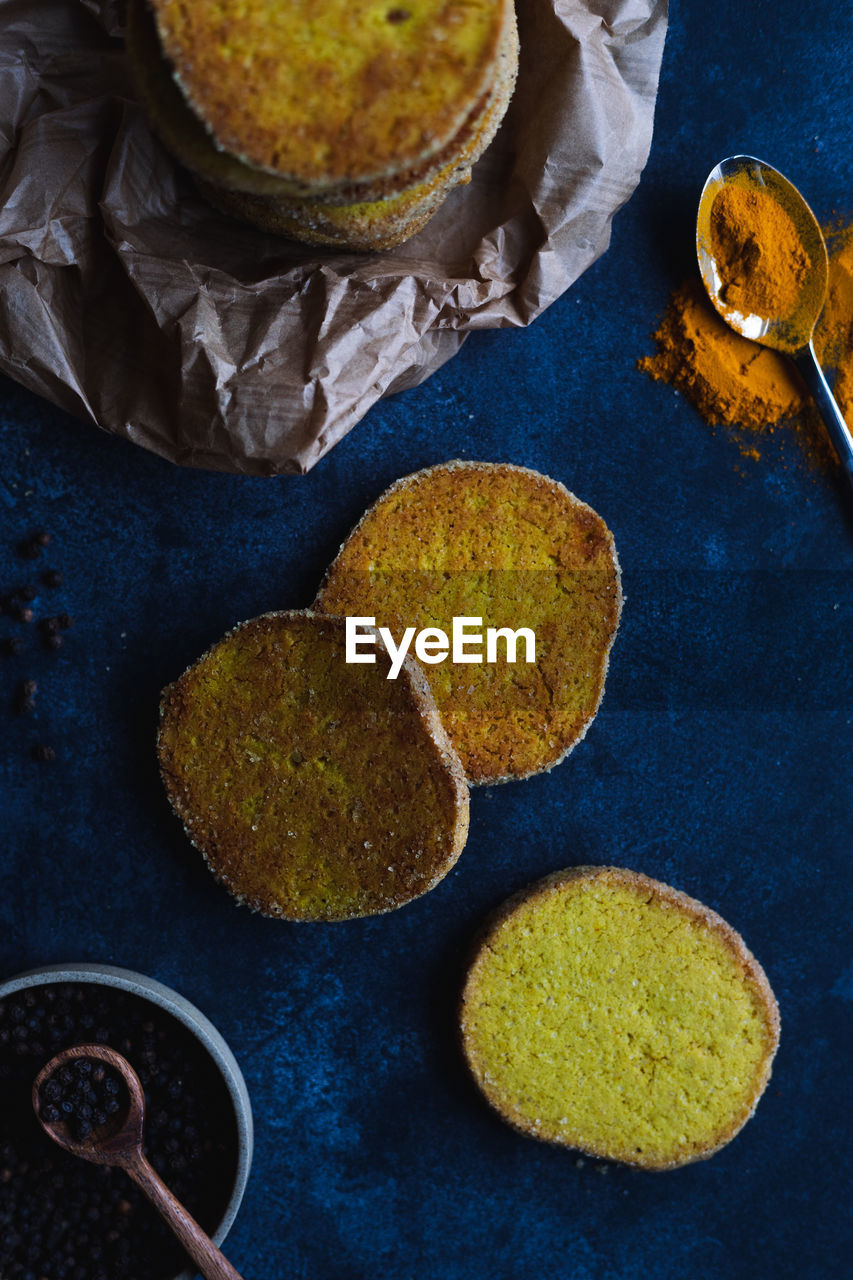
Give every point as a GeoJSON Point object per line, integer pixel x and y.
{"type": "Point", "coordinates": [194, 1020]}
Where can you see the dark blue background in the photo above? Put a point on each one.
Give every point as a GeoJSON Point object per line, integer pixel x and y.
{"type": "Point", "coordinates": [720, 761]}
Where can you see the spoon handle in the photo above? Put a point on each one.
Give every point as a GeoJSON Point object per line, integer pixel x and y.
{"type": "Point", "coordinates": [212, 1264]}
{"type": "Point", "coordinates": [839, 432]}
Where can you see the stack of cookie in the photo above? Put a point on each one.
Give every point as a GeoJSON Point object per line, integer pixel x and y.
{"type": "Point", "coordinates": [334, 122]}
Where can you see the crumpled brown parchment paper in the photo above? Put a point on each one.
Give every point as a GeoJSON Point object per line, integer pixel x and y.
{"type": "Point", "coordinates": [128, 301]}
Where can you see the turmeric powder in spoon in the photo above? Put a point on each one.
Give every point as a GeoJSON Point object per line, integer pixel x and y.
{"type": "Point", "coordinates": [759, 252]}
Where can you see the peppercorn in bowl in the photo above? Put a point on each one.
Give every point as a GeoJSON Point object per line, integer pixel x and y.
{"type": "Point", "coordinates": [63, 1218]}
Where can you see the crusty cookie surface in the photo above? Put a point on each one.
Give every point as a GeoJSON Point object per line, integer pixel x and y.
{"type": "Point", "coordinates": [610, 1013]}
{"type": "Point", "coordinates": [370, 225]}
{"type": "Point", "coordinates": [515, 548]}
{"type": "Point", "coordinates": [333, 91]}
{"type": "Point", "coordinates": [188, 140]}
{"type": "Point", "coordinates": [315, 789]}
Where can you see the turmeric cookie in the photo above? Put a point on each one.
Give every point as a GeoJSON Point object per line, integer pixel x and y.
{"type": "Point", "coordinates": [610, 1013]}
{"type": "Point", "coordinates": [373, 215]}
{"type": "Point", "coordinates": [315, 789]}
{"type": "Point", "coordinates": [325, 93]}
{"type": "Point", "coordinates": [375, 224]}
{"type": "Point", "coordinates": [516, 550]}
{"type": "Point", "coordinates": [190, 142]}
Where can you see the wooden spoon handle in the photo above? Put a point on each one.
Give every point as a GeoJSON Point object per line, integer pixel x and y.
{"type": "Point", "coordinates": [212, 1264]}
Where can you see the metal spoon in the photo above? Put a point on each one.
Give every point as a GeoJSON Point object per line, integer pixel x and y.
{"type": "Point", "coordinates": [791, 334]}
{"type": "Point", "coordinates": [120, 1144]}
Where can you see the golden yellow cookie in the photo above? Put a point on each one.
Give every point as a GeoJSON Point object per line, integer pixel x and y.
{"type": "Point", "coordinates": [227, 176]}
{"type": "Point", "coordinates": [516, 549]}
{"type": "Point", "coordinates": [314, 788]}
{"type": "Point", "coordinates": [610, 1013]}
{"type": "Point", "coordinates": [330, 92]}
{"type": "Point", "coordinates": [375, 224]}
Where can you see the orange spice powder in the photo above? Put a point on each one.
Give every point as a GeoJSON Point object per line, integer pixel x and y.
{"type": "Point", "coordinates": [759, 253]}
{"type": "Point", "coordinates": [738, 384]}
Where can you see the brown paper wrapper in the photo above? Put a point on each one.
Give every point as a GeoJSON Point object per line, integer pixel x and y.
{"type": "Point", "coordinates": [127, 300]}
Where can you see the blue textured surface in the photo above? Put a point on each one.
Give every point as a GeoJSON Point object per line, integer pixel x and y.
{"type": "Point", "coordinates": [720, 761]}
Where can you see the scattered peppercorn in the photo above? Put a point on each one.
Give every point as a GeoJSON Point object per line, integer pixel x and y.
{"type": "Point", "coordinates": [63, 1217]}
{"type": "Point", "coordinates": [16, 604]}
{"type": "Point", "coordinates": [25, 697]}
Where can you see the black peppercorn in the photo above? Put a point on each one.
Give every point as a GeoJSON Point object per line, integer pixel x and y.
{"type": "Point", "coordinates": [53, 578]}
{"type": "Point", "coordinates": [65, 622]}
{"type": "Point", "coordinates": [44, 753]}
{"type": "Point", "coordinates": [83, 1102]}
{"type": "Point", "coordinates": [28, 591]}
{"type": "Point", "coordinates": [54, 641]}
{"type": "Point", "coordinates": [42, 538]}
{"type": "Point", "coordinates": [13, 645]}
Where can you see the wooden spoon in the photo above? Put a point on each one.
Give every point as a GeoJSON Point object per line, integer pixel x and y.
{"type": "Point", "coordinates": [120, 1144]}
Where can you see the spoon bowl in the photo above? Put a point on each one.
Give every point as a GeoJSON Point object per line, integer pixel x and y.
{"type": "Point", "coordinates": [784, 332]}
{"type": "Point", "coordinates": [110, 1143]}
{"type": "Point", "coordinates": [791, 333]}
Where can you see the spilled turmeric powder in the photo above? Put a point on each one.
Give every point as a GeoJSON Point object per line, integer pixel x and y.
{"type": "Point", "coordinates": [738, 384]}
{"type": "Point", "coordinates": [834, 336]}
